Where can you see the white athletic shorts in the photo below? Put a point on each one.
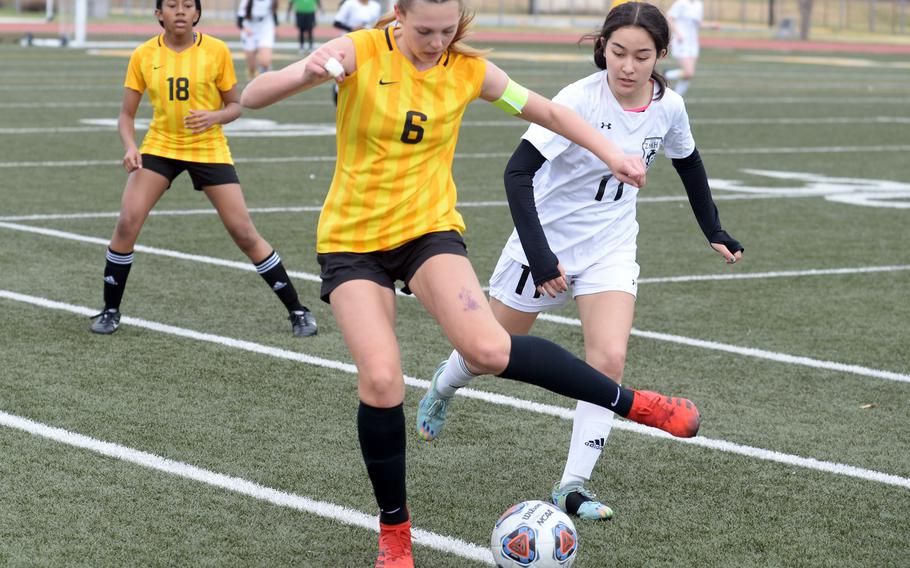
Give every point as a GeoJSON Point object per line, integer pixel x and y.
{"type": "Point", "coordinates": [258, 34]}
{"type": "Point", "coordinates": [687, 48]}
{"type": "Point", "coordinates": [513, 285]}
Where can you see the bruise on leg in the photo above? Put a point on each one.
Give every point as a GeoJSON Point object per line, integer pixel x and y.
{"type": "Point", "coordinates": [468, 302]}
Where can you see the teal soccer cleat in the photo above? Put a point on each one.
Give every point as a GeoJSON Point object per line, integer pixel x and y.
{"type": "Point", "coordinates": [431, 413]}
{"type": "Point", "coordinates": [590, 509]}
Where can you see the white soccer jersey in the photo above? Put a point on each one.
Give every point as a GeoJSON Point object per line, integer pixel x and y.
{"type": "Point", "coordinates": [356, 15]}
{"type": "Point", "coordinates": [261, 9]}
{"type": "Point", "coordinates": [585, 212]}
{"type": "Point", "coordinates": [687, 15]}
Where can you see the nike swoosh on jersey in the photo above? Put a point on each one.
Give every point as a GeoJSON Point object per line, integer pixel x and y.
{"type": "Point", "coordinates": [381, 82]}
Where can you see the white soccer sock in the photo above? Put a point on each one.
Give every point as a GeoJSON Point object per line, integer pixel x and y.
{"type": "Point", "coordinates": [590, 430]}
{"type": "Point", "coordinates": [681, 87]}
{"type": "Point", "coordinates": [673, 74]}
{"type": "Point", "coordinates": [455, 376]}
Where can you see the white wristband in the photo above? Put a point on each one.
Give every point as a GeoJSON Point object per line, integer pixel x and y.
{"type": "Point", "coordinates": [333, 67]}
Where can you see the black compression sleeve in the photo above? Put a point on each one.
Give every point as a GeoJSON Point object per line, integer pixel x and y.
{"type": "Point", "coordinates": [692, 172]}
{"type": "Point", "coordinates": [342, 26]}
{"type": "Point", "coordinates": [518, 178]}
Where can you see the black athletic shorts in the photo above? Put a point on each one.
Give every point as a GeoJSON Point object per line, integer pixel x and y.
{"type": "Point", "coordinates": [202, 174]}
{"type": "Point", "coordinates": [306, 21]}
{"type": "Point", "coordinates": [386, 266]}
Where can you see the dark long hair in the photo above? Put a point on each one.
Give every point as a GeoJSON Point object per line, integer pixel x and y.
{"type": "Point", "coordinates": [198, 10]}
{"type": "Point", "coordinates": [638, 14]}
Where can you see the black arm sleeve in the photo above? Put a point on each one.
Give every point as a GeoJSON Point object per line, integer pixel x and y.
{"type": "Point", "coordinates": [518, 178]}
{"type": "Point", "coordinates": [342, 26]}
{"type": "Point", "coordinates": [692, 172]}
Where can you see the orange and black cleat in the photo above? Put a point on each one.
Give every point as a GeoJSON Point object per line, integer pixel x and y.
{"type": "Point", "coordinates": [678, 416]}
{"type": "Point", "coordinates": [395, 546]}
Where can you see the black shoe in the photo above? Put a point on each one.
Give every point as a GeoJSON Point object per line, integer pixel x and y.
{"type": "Point", "coordinates": [302, 322]}
{"type": "Point", "coordinates": [107, 322]}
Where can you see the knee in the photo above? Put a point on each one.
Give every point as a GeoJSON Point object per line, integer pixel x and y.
{"type": "Point", "coordinates": [381, 385]}
{"type": "Point", "coordinates": [486, 356]}
{"type": "Point", "coordinates": [128, 225]}
{"type": "Point", "coordinates": [610, 361]}
{"type": "Point", "coordinates": [245, 236]}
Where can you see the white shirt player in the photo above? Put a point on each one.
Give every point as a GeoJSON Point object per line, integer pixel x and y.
{"type": "Point", "coordinates": [687, 16]}
{"type": "Point", "coordinates": [357, 15]}
{"type": "Point", "coordinates": [585, 212]}
{"type": "Point", "coordinates": [261, 9]}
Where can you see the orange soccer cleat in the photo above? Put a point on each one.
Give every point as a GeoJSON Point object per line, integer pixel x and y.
{"type": "Point", "coordinates": [678, 416]}
{"type": "Point", "coordinates": [395, 546]}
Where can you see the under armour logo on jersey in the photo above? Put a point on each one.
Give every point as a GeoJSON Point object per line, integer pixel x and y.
{"type": "Point", "coordinates": [597, 443]}
{"type": "Point", "coordinates": [279, 285]}
{"type": "Point", "coordinates": [110, 280]}
{"type": "Point", "coordinates": [607, 125]}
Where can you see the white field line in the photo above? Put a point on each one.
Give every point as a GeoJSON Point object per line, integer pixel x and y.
{"type": "Point", "coordinates": [771, 100]}
{"type": "Point", "coordinates": [318, 208]}
{"type": "Point", "coordinates": [775, 274]}
{"type": "Point", "coordinates": [206, 211]}
{"type": "Point", "coordinates": [279, 131]}
{"type": "Point", "coordinates": [734, 349]}
{"type": "Point", "coordinates": [787, 121]}
{"type": "Point", "coordinates": [499, 399]}
{"type": "Point", "coordinates": [487, 155]}
{"type": "Point", "coordinates": [248, 266]}
{"type": "Point", "coordinates": [331, 511]}
{"type": "Point", "coordinates": [751, 352]}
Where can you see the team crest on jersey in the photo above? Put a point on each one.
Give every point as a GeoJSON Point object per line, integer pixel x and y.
{"type": "Point", "coordinates": [649, 149]}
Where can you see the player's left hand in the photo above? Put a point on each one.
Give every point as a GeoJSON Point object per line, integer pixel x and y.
{"type": "Point", "coordinates": [200, 120]}
{"type": "Point", "coordinates": [727, 246]}
{"type": "Point", "coordinates": [555, 286]}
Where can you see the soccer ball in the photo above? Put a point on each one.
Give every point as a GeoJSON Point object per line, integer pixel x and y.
{"type": "Point", "coordinates": [534, 534]}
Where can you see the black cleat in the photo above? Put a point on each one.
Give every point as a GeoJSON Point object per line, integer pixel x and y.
{"type": "Point", "coordinates": [106, 323]}
{"type": "Point", "coordinates": [303, 323]}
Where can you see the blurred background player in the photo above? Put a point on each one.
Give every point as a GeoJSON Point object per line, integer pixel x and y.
{"type": "Point", "coordinates": [685, 17]}
{"type": "Point", "coordinates": [306, 21]}
{"type": "Point", "coordinates": [390, 215]}
{"type": "Point", "coordinates": [192, 88]}
{"type": "Point", "coordinates": [257, 20]}
{"type": "Point", "coordinates": [576, 228]}
{"type": "Point", "coordinates": [355, 15]}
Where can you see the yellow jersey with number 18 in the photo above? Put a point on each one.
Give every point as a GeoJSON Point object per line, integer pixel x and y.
{"type": "Point", "coordinates": [397, 130]}
{"type": "Point", "coordinates": [177, 83]}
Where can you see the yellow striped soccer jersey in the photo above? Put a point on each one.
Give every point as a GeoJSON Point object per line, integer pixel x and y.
{"type": "Point", "coordinates": [397, 131]}
{"type": "Point", "coordinates": [177, 83]}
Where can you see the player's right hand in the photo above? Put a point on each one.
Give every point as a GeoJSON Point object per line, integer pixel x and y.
{"type": "Point", "coordinates": [315, 64]}
{"type": "Point", "coordinates": [555, 286]}
{"type": "Point", "coordinates": [132, 160]}
{"type": "Point", "coordinates": [630, 169]}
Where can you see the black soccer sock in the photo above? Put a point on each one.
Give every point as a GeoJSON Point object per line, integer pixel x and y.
{"type": "Point", "coordinates": [382, 443]}
{"type": "Point", "coordinates": [540, 362]}
{"type": "Point", "coordinates": [116, 271]}
{"type": "Point", "coordinates": [274, 274]}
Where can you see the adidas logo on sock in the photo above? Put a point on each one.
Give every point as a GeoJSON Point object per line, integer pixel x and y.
{"type": "Point", "coordinates": [279, 285]}
{"type": "Point", "coordinates": [110, 280]}
{"type": "Point", "coordinates": [597, 443]}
